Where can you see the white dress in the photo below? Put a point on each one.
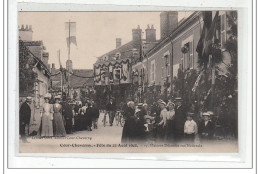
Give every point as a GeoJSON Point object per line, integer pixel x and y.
{"type": "Point", "coordinates": [47, 117]}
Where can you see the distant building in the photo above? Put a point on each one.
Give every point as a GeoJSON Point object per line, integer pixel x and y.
{"type": "Point", "coordinates": [113, 70]}
{"type": "Point", "coordinates": [74, 82]}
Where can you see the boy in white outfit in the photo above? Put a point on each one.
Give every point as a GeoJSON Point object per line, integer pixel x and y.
{"type": "Point", "coordinates": [190, 128]}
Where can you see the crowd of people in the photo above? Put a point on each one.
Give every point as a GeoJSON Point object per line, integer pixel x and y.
{"type": "Point", "coordinates": [167, 122]}
{"type": "Point", "coordinates": [60, 117]}
{"type": "Point", "coordinates": [162, 122]}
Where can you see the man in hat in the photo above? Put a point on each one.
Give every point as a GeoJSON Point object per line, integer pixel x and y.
{"type": "Point", "coordinates": [24, 117]}
{"type": "Point", "coordinates": [180, 116]}
{"type": "Point", "coordinates": [111, 109]}
{"type": "Point", "coordinates": [68, 115]}
{"type": "Point", "coordinates": [206, 127]}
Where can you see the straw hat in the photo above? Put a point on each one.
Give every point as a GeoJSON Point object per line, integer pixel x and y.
{"type": "Point", "coordinates": [205, 114]}
{"type": "Point", "coordinates": [178, 99]}
{"type": "Point", "coordinates": [28, 99]}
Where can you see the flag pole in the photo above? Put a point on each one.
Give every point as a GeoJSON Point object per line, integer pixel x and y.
{"type": "Point", "coordinates": [69, 39]}
{"type": "Point", "coordinates": [61, 82]}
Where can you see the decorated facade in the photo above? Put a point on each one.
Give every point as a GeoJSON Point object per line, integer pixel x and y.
{"type": "Point", "coordinates": [114, 76]}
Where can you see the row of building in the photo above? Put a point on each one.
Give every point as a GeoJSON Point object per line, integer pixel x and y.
{"type": "Point", "coordinates": [132, 69]}
{"type": "Point", "coordinates": [48, 78]}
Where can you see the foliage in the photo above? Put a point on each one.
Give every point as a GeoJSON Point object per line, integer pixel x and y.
{"type": "Point", "coordinates": [183, 85]}
{"type": "Point", "coordinates": [27, 77]}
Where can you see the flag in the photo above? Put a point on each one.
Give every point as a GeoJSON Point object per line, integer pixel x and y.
{"type": "Point", "coordinates": [209, 37]}
{"type": "Point", "coordinates": [207, 22]}
{"type": "Point", "coordinates": [70, 28]}
{"type": "Point", "coordinates": [208, 31]}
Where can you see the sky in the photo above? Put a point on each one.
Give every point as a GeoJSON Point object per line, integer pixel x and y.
{"type": "Point", "coordinates": [96, 32]}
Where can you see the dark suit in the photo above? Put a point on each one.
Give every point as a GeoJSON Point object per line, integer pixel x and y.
{"type": "Point", "coordinates": [111, 109]}
{"type": "Point", "coordinates": [68, 115]}
{"type": "Point", "coordinates": [206, 129]}
{"type": "Point", "coordinates": [24, 117]}
{"type": "Point", "coordinates": [178, 124]}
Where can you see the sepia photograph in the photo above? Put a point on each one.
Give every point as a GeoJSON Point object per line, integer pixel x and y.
{"type": "Point", "coordinates": [128, 81]}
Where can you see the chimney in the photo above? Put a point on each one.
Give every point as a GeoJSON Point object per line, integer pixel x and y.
{"type": "Point", "coordinates": [137, 34]}
{"type": "Point", "coordinates": [118, 42]}
{"type": "Point", "coordinates": [168, 22]}
{"type": "Point", "coordinates": [26, 33]}
{"type": "Point", "coordinates": [53, 70]}
{"type": "Point", "coordinates": [150, 34]}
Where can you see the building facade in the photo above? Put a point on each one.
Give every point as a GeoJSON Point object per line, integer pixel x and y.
{"type": "Point", "coordinates": [175, 51]}
{"type": "Point", "coordinates": [113, 72]}
{"type": "Point", "coordinates": [38, 60]}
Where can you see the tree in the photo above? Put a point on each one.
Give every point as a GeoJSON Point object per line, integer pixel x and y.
{"type": "Point", "coordinates": [27, 77]}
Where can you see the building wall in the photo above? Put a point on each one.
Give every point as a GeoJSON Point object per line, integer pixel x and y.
{"type": "Point", "coordinates": [41, 87]}
{"type": "Point", "coordinates": [190, 33]}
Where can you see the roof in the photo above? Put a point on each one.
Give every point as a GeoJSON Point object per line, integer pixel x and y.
{"type": "Point", "coordinates": [126, 51]}
{"type": "Point", "coordinates": [76, 82]}
{"type": "Point", "coordinates": [167, 39]}
{"type": "Point", "coordinates": [130, 50]}
{"type": "Point", "coordinates": [27, 43]}
{"type": "Point", "coordinates": [33, 43]}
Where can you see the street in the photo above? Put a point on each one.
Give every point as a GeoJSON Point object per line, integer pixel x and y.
{"type": "Point", "coordinates": [96, 138]}
{"type": "Point", "coordinates": [108, 139]}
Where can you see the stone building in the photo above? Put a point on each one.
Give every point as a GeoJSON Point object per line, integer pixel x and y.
{"type": "Point", "coordinates": [175, 51]}
{"type": "Point", "coordinates": [39, 58]}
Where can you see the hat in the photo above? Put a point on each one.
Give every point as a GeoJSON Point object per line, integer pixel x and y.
{"type": "Point", "coordinates": [28, 98]}
{"type": "Point", "coordinates": [47, 95]}
{"type": "Point", "coordinates": [210, 113]}
{"type": "Point", "coordinates": [178, 99]}
{"type": "Point", "coordinates": [145, 104]}
{"type": "Point", "coordinates": [140, 104]}
{"type": "Point", "coordinates": [159, 101]}
{"type": "Point", "coordinates": [57, 97]}
{"type": "Point", "coordinates": [162, 102]}
{"type": "Point", "coordinates": [170, 103]}
{"type": "Point", "coordinates": [205, 114]}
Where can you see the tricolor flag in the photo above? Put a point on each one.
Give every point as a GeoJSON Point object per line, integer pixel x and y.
{"type": "Point", "coordinates": [70, 28]}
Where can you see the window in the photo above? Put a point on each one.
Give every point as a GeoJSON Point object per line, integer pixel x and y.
{"type": "Point", "coordinates": [117, 74]}
{"type": "Point", "coordinates": [162, 71]}
{"type": "Point", "coordinates": [182, 63]}
{"type": "Point", "coordinates": [153, 70]}
{"type": "Point", "coordinates": [223, 28]}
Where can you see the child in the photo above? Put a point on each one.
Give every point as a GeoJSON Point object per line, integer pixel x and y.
{"type": "Point", "coordinates": [190, 128]}
{"type": "Point", "coordinates": [206, 128]}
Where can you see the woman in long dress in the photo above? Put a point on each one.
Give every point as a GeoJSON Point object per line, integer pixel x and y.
{"type": "Point", "coordinates": [59, 129]}
{"type": "Point", "coordinates": [47, 117]}
{"type": "Point", "coordinates": [170, 122]}
{"type": "Point", "coordinates": [162, 124]}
